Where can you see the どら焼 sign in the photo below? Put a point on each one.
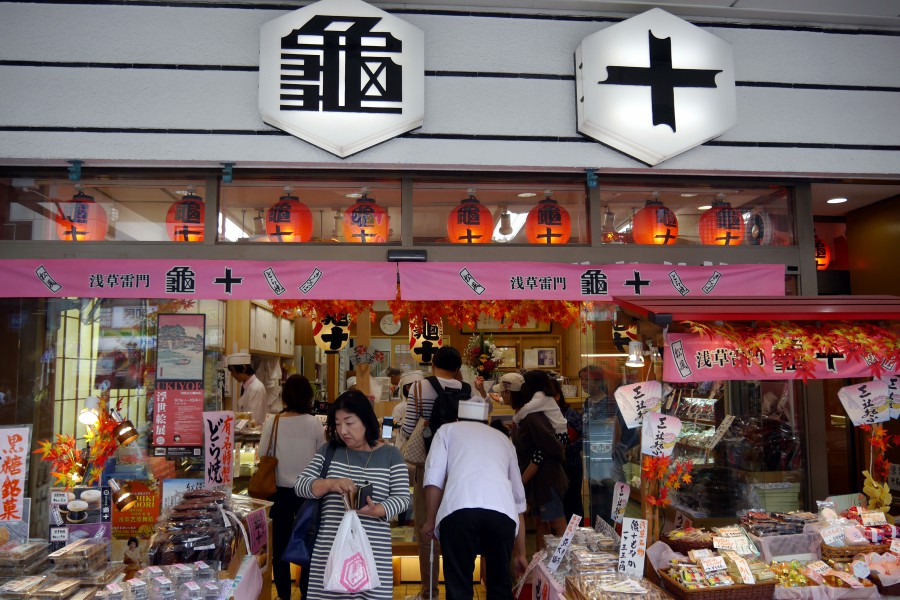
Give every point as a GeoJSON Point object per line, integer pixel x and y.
{"type": "Point", "coordinates": [342, 75]}
{"type": "Point", "coordinates": [218, 444]}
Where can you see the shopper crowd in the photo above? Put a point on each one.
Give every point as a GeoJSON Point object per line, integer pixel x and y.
{"type": "Point", "coordinates": [469, 497]}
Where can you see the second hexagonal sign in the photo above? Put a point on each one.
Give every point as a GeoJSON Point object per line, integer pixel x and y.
{"type": "Point", "coordinates": [654, 86]}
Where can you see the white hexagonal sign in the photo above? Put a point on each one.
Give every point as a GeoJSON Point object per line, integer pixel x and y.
{"type": "Point", "coordinates": [342, 75]}
{"type": "Point", "coordinates": [654, 86]}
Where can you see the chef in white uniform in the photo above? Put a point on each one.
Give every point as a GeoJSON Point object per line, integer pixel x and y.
{"type": "Point", "coordinates": [253, 391]}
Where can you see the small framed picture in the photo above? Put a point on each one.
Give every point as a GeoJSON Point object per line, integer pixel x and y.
{"type": "Point", "coordinates": [546, 357]}
{"type": "Point", "coordinates": [510, 358]}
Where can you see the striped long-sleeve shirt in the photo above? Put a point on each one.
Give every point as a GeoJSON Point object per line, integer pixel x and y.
{"type": "Point", "coordinates": [388, 474]}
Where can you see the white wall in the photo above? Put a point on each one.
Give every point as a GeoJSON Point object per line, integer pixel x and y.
{"type": "Point", "coordinates": [180, 106]}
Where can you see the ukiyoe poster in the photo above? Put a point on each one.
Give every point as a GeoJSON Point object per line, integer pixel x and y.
{"type": "Point", "coordinates": [180, 391]}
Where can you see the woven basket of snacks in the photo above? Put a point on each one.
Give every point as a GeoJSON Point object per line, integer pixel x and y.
{"type": "Point", "coordinates": [845, 554]}
{"type": "Point", "coordinates": [738, 591]}
{"type": "Point", "coordinates": [687, 539]}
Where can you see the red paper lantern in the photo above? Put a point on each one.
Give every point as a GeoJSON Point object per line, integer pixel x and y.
{"type": "Point", "coordinates": [721, 225]}
{"type": "Point", "coordinates": [81, 220]}
{"type": "Point", "coordinates": [470, 222]}
{"type": "Point", "coordinates": [548, 223]}
{"type": "Point", "coordinates": [655, 224]}
{"type": "Point", "coordinates": [366, 222]}
{"type": "Point", "coordinates": [823, 255]}
{"type": "Point", "coordinates": [289, 220]}
{"type": "Point", "coordinates": [185, 219]}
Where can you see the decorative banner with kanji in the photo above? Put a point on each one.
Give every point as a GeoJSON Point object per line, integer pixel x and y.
{"type": "Point", "coordinates": [638, 399]}
{"type": "Point", "coordinates": [15, 445]}
{"type": "Point", "coordinates": [893, 385]}
{"type": "Point", "coordinates": [563, 281]}
{"type": "Point", "coordinates": [620, 501]}
{"type": "Point", "coordinates": [659, 433]}
{"type": "Point", "coordinates": [206, 279]}
{"type": "Point", "coordinates": [693, 357]}
{"type": "Point", "coordinates": [634, 547]}
{"type": "Point", "coordinates": [866, 403]}
{"type": "Point", "coordinates": [218, 444]}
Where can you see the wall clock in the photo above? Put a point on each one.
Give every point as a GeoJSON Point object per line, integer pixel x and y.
{"type": "Point", "coordinates": [388, 325]}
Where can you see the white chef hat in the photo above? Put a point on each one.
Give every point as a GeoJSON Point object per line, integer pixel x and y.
{"type": "Point", "coordinates": [351, 381]}
{"type": "Point", "coordinates": [238, 358]}
{"type": "Point", "coordinates": [474, 409]}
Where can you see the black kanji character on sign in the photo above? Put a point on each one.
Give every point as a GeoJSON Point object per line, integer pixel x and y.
{"type": "Point", "coordinates": [338, 64]}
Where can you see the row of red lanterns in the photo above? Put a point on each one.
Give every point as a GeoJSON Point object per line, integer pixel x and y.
{"type": "Point", "coordinates": [289, 220]}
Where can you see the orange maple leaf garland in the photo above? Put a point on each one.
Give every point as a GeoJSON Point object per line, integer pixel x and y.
{"type": "Point", "coordinates": [670, 475]}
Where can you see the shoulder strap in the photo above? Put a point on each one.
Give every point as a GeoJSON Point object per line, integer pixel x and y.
{"type": "Point", "coordinates": [419, 411]}
{"type": "Point", "coordinates": [329, 454]}
{"type": "Point", "coordinates": [435, 384]}
{"type": "Point", "coordinates": [466, 388]}
{"type": "Point", "coordinates": [273, 436]}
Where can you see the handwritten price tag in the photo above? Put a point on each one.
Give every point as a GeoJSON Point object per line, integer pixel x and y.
{"type": "Point", "coordinates": [564, 543]}
{"type": "Point", "coordinates": [713, 564]}
{"type": "Point", "coordinates": [724, 543]}
{"type": "Point", "coordinates": [873, 519]}
{"type": "Point", "coordinates": [744, 570]}
{"type": "Point", "coordinates": [895, 546]}
{"type": "Point", "coordinates": [832, 535]}
{"type": "Point", "coordinates": [861, 569]}
{"type": "Point", "coordinates": [817, 566]}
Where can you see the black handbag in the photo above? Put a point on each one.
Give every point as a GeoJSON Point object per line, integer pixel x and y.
{"type": "Point", "coordinates": [300, 545]}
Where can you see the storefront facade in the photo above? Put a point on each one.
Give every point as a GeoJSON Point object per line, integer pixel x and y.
{"type": "Point", "coordinates": [157, 102]}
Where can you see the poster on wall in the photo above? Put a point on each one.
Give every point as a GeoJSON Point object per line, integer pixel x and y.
{"type": "Point", "coordinates": [15, 443]}
{"type": "Point", "coordinates": [178, 399]}
{"type": "Point", "coordinates": [132, 529]}
{"type": "Point", "coordinates": [79, 513]}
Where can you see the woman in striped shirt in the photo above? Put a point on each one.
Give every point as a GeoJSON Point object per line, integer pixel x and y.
{"type": "Point", "coordinates": [359, 456]}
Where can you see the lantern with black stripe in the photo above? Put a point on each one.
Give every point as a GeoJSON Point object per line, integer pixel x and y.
{"type": "Point", "coordinates": [655, 224]}
{"type": "Point", "coordinates": [470, 222]}
{"type": "Point", "coordinates": [332, 333]}
{"type": "Point", "coordinates": [823, 255]}
{"type": "Point", "coordinates": [548, 223]}
{"type": "Point", "coordinates": [81, 219]}
{"type": "Point", "coordinates": [184, 221]}
{"type": "Point", "coordinates": [366, 222]}
{"type": "Point", "coordinates": [289, 220]}
{"type": "Point", "coordinates": [721, 225]}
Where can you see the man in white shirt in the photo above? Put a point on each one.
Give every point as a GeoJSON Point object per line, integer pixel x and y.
{"type": "Point", "coordinates": [253, 391]}
{"type": "Point", "coordinates": [475, 502]}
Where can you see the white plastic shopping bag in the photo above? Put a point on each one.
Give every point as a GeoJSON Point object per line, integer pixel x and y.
{"type": "Point", "coordinates": [351, 564]}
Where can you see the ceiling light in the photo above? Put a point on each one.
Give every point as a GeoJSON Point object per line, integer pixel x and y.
{"type": "Point", "coordinates": [837, 201]}
{"type": "Point", "coordinates": [688, 195]}
{"type": "Point", "coordinates": [526, 195]}
{"type": "Point", "coordinates": [505, 224]}
{"type": "Point", "coordinates": [515, 221]}
{"type": "Point", "coordinates": [704, 207]}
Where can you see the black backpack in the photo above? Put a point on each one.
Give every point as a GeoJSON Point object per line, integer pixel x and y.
{"type": "Point", "coordinates": [446, 405]}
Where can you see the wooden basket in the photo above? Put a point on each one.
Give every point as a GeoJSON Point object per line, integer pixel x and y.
{"type": "Point", "coordinates": [845, 554]}
{"type": "Point", "coordinates": [683, 546]}
{"type": "Point", "coordinates": [738, 591]}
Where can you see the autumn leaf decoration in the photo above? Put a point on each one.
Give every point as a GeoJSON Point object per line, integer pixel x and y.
{"type": "Point", "coordinates": [669, 474]}
{"type": "Point", "coordinates": [798, 344]}
{"type": "Point", "coordinates": [63, 452]}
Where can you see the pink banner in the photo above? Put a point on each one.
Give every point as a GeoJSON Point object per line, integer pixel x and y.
{"type": "Point", "coordinates": [563, 281]}
{"type": "Point", "coordinates": [690, 357]}
{"type": "Point", "coordinates": [207, 279]}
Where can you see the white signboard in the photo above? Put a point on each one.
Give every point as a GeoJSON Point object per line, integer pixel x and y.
{"type": "Point", "coordinates": [620, 501]}
{"type": "Point", "coordinates": [659, 434]}
{"type": "Point", "coordinates": [893, 383]}
{"type": "Point", "coordinates": [15, 450]}
{"type": "Point", "coordinates": [720, 431]}
{"type": "Point", "coordinates": [218, 448]}
{"type": "Point", "coordinates": [638, 399]}
{"type": "Point", "coordinates": [633, 547]}
{"type": "Point", "coordinates": [654, 86]}
{"type": "Point", "coordinates": [342, 75]}
{"type": "Point", "coordinates": [564, 544]}
{"type": "Point", "coordinates": [866, 403]}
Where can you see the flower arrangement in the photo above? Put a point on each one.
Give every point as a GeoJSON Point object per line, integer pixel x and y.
{"type": "Point", "coordinates": [362, 355]}
{"type": "Point", "coordinates": [482, 355]}
{"type": "Point", "coordinates": [661, 475]}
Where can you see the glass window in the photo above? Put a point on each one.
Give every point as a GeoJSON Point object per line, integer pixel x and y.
{"type": "Point", "coordinates": [102, 210]}
{"type": "Point", "coordinates": [329, 211]}
{"type": "Point", "coordinates": [526, 211]}
{"type": "Point", "coordinates": [696, 215]}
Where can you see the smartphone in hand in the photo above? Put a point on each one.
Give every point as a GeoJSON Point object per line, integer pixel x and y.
{"type": "Point", "coordinates": [364, 492]}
